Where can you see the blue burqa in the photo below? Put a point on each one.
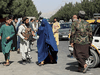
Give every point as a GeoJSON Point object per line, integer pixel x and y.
{"type": "Point", "coordinates": [46, 41]}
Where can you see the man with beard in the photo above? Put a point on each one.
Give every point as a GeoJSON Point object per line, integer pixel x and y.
{"type": "Point", "coordinates": [24, 41]}
{"type": "Point", "coordinates": [55, 28]}
{"type": "Point", "coordinates": [74, 18]}
{"type": "Point", "coordinates": [81, 39]}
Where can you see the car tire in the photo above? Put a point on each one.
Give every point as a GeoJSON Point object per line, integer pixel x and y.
{"type": "Point", "coordinates": [68, 39]}
{"type": "Point", "coordinates": [93, 59]}
{"type": "Point", "coordinates": [60, 39]}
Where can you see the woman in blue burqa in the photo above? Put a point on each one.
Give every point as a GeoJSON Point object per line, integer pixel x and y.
{"type": "Point", "coordinates": [47, 48]}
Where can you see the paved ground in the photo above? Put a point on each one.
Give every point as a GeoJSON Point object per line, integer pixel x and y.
{"type": "Point", "coordinates": [65, 65]}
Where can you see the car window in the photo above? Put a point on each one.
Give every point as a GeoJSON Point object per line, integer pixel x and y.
{"type": "Point", "coordinates": [93, 26]}
{"type": "Point", "coordinates": [63, 26]}
{"type": "Point", "coordinates": [97, 32]}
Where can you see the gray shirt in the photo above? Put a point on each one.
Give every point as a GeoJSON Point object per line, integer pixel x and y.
{"type": "Point", "coordinates": [31, 26]}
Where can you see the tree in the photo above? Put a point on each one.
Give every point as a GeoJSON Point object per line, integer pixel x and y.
{"type": "Point", "coordinates": [89, 6]}
{"type": "Point", "coordinates": [4, 6]}
{"type": "Point", "coordinates": [18, 8]}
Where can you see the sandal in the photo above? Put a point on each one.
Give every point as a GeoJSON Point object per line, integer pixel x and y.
{"type": "Point", "coordinates": [42, 63]}
{"type": "Point", "coordinates": [7, 64]}
{"type": "Point", "coordinates": [85, 69]}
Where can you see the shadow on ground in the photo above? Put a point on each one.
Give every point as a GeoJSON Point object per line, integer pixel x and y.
{"type": "Point", "coordinates": [5, 62]}
{"type": "Point", "coordinates": [70, 56]}
{"type": "Point", "coordinates": [36, 51]}
{"type": "Point", "coordinates": [72, 66]}
{"type": "Point", "coordinates": [20, 62]}
{"type": "Point", "coordinates": [24, 63]}
{"type": "Point", "coordinates": [98, 65]}
{"type": "Point", "coordinates": [33, 49]}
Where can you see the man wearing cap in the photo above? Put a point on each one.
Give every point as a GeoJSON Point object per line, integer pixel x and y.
{"type": "Point", "coordinates": [24, 41]}
{"type": "Point", "coordinates": [81, 39]}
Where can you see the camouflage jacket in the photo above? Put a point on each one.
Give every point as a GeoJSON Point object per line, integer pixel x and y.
{"type": "Point", "coordinates": [81, 32]}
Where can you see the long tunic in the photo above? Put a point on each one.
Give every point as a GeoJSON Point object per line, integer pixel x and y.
{"type": "Point", "coordinates": [24, 44]}
{"type": "Point", "coordinates": [55, 28]}
{"type": "Point", "coordinates": [6, 31]}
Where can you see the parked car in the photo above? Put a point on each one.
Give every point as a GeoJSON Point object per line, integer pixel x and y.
{"type": "Point", "coordinates": [94, 58]}
{"type": "Point", "coordinates": [64, 31]}
{"type": "Point", "coordinates": [61, 21]}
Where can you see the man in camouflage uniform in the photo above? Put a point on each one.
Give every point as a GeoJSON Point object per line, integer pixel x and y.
{"type": "Point", "coordinates": [81, 39]}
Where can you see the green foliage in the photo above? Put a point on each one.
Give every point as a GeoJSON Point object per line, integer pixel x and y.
{"type": "Point", "coordinates": [18, 8]}
{"type": "Point", "coordinates": [89, 6]}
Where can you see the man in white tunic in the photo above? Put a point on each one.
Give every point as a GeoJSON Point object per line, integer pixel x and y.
{"type": "Point", "coordinates": [24, 41]}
